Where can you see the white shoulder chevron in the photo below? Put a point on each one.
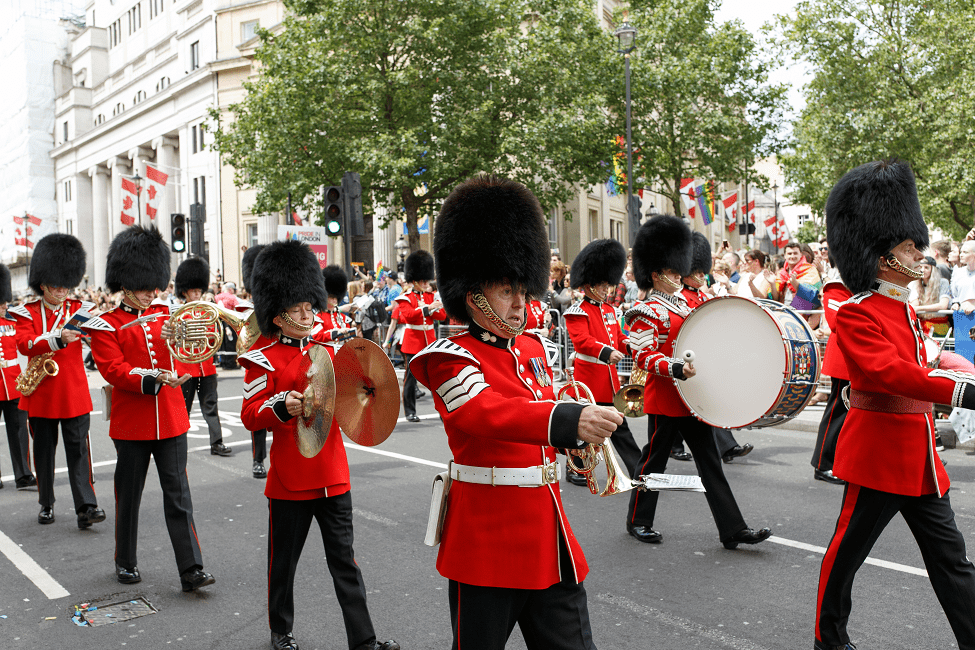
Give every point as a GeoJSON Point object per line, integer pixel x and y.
{"type": "Point", "coordinates": [20, 310]}
{"type": "Point", "coordinates": [860, 297]}
{"type": "Point", "coordinates": [257, 357]}
{"type": "Point", "coordinates": [254, 387]}
{"type": "Point", "coordinates": [575, 310]}
{"type": "Point", "coordinates": [445, 346]}
{"type": "Point", "coordinates": [551, 350]}
{"type": "Point", "coordinates": [639, 309]}
{"type": "Point", "coordinates": [99, 324]}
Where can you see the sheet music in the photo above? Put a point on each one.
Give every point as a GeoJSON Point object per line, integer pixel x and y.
{"type": "Point", "coordinates": [674, 482]}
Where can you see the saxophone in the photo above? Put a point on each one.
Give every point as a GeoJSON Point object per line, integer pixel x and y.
{"type": "Point", "coordinates": [37, 369]}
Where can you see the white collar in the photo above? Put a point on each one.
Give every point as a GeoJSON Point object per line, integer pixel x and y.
{"type": "Point", "coordinates": [892, 290]}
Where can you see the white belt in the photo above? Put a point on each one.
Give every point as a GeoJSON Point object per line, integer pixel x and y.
{"type": "Point", "coordinates": [536, 476]}
{"type": "Point", "coordinates": [586, 357]}
{"type": "Point", "coordinates": [7, 364]}
{"type": "Point", "coordinates": [422, 328]}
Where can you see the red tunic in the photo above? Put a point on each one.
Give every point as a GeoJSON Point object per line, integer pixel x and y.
{"type": "Point", "coordinates": [130, 359]}
{"type": "Point", "coordinates": [534, 315]}
{"type": "Point", "coordinates": [595, 332]}
{"type": "Point", "coordinates": [203, 369]}
{"type": "Point", "coordinates": [882, 340]}
{"type": "Point", "coordinates": [9, 367]}
{"type": "Point", "coordinates": [653, 326]}
{"type": "Point", "coordinates": [500, 412]}
{"type": "Point", "coordinates": [694, 297]}
{"type": "Point", "coordinates": [328, 324]}
{"type": "Point", "coordinates": [835, 294]}
{"type": "Point", "coordinates": [38, 331]}
{"type": "Point", "coordinates": [411, 310]}
{"type": "Point", "coordinates": [269, 374]}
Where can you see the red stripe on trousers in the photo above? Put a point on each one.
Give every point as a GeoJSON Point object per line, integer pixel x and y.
{"type": "Point", "coordinates": [842, 524]}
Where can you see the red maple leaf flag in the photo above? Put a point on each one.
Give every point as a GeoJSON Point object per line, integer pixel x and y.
{"type": "Point", "coordinates": [129, 195]}
{"type": "Point", "coordinates": [750, 210]}
{"type": "Point", "coordinates": [127, 203]}
{"type": "Point", "coordinates": [157, 181]}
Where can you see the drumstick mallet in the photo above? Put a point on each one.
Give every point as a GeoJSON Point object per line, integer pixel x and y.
{"type": "Point", "coordinates": [689, 356]}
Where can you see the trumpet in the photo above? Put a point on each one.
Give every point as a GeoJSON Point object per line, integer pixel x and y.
{"type": "Point", "coordinates": [617, 480]}
{"type": "Point", "coordinates": [198, 330]}
{"type": "Point", "coordinates": [628, 400]}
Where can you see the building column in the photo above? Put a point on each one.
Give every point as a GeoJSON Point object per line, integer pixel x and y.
{"type": "Point", "coordinates": [118, 166]}
{"type": "Point", "coordinates": [267, 228]}
{"type": "Point", "coordinates": [83, 223]}
{"type": "Point", "coordinates": [383, 239]}
{"type": "Point", "coordinates": [100, 217]}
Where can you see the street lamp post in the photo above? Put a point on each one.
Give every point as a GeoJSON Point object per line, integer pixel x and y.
{"type": "Point", "coordinates": [775, 213]}
{"type": "Point", "coordinates": [137, 180]}
{"type": "Point", "coordinates": [626, 35]}
{"type": "Point", "coordinates": [401, 249]}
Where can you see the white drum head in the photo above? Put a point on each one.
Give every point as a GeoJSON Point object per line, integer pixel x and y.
{"type": "Point", "coordinates": [740, 359]}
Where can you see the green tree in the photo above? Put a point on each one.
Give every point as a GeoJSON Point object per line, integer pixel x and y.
{"type": "Point", "coordinates": [702, 102]}
{"type": "Point", "coordinates": [891, 78]}
{"type": "Point", "coordinates": [418, 95]}
{"type": "Point", "coordinates": [808, 232]}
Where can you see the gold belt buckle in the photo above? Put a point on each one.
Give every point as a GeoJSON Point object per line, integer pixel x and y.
{"type": "Point", "coordinates": [550, 473]}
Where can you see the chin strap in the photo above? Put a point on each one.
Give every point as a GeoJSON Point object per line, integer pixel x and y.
{"type": "Point", "coordinates": [669, 282]}
{"type": "Point", "coordinates": [592, 295]}
{"type": "Point", "coordinates": [485, 307]}
{"type": "Point", "coordinates": [135, 301]}
{"type": "Point", "coordinates": [295, 324]}
{"type": "Point", "coordinates": [895, 265]}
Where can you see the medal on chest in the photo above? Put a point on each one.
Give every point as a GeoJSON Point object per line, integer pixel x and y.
{"type": "Point", "coordinates": [541, 372]}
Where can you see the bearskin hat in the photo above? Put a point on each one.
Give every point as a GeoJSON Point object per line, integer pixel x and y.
{"type": "Point", "coordinates": [872, 209]}
{"type": "Point", "coordinates": [58, 261]}
{"type": "Point", "coordinates": [490, 229]}
{"type": "Point", "coordinates": [663, 242]}
{"type": "Point", "coordinates": [419, 266]}
{"type": "Point", "coordinates": [6, 293]}
{"type": "Point", "coordinates": [701, 258]}
{"type": "Point", "coordinates": [602, 260]}
{"type": "Point", "coordinates": [285, 273]}
{"type": "Point", "coordinates": [193, 273]}
{"type": "Point", "coordinates": [247, 265]}
{"type": "Point", "coordinates": [138, 259]}
{"type": "Point", "coordinates": [336, 281]}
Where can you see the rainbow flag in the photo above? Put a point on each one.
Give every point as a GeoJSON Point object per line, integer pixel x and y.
{"type": "Point", "coordinates": [704, 194]}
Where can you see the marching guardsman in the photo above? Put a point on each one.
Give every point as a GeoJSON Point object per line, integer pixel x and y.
{"type": "Point", "coordinates": [886, 451]}
{"type": "Point", "coordinates": [599, 343]}
{"type": "Point", "coordinates": [57, 266]}
{"type": "Point", "coordinates": [148, 414]}
{"type": "Point", "coordinates": [333, 325]}
{"type": "Point", "coordinates": [287, 289]}
{"type": "Point", "coordinates": [506, 548]}
{"type": "Point", "coordinates": [416, 310]}
{"type": "Point", "coordinates": [192, 281]}
{"type": "Point", "coordinates": [537, 317]}
{"type": "Point", "coordinates": [694, 295]}
{"type": "Point", "coordinates": [661, 257]}
{"type": "Point", "coordinates": [15, 419]}
{"type": "Point", "coordinates": [259, 437]}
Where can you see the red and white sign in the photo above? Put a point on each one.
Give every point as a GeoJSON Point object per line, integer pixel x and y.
{"type": "Point", "coordinates": [130, 198]}
{"type": "Point", "coordinates": [155, 181]}
{"type": "Point", "coordinates": [23, 232]}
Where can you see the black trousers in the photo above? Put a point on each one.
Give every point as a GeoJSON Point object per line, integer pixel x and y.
{"type": "Point", "coordinates": [74, 431]}
{"type": "Point", "coordinates": [288, 524]}
{"type": "Point", "coordinates": [18, 440]}
{"type": "Point", "coordinates": [259, 445]}
{"type": "Point", "coordinates": [624, 444]}
{"type": "Point", "coordinates": [409, 387]}
{"type": "Point", "coordinates": [725, 440]}
{"type": "Point", "coordinates": [206, 387]}
{"type": "Point", "coordinates": [829, 426]}
{"type": "Point", "coordinates": [700, 438]}
{"type": "Point", "coordinates": [556, 618]}
{"type": "Point", "coordinates": [863, 518]}
{"type": "Point", "coordinates": [130, 480]}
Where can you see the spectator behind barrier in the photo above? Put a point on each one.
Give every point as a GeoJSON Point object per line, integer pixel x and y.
{"type": "Point", "coordinates": [928, 295]}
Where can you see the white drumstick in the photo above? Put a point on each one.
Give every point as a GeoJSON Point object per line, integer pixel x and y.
{"type": "Point", "coordinates": [689, 356]}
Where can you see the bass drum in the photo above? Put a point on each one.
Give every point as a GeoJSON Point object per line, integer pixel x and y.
{"type": "Point", "coordinates": [757, 362]}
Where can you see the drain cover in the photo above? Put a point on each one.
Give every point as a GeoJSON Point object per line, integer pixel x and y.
{"type": "Point", "coordinates": [95, 615]}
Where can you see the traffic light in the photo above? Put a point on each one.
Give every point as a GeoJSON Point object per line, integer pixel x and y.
{"type": "Point", "coordinates": [177, 233]}
{"type": "Point", "coordinates": [334, 211]}
{"type": "Point", "coordinates": [352, 191]}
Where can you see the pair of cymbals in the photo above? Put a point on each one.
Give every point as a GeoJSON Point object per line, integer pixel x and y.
{"type": "Point", "coordinates": [359, 389]}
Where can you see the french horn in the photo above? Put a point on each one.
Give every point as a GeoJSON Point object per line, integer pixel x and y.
{"type": "Point", "coordinates": [198, 330]}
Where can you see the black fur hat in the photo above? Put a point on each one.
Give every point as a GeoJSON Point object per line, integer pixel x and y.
{"type": "Point", "coordinates": [602, 260]}
{"type": "Point", "coordinates": [663, 242]}
{"type": "Point", "coordinates": [872, 209]}
{"type": "Point", "coordinates": [192, 273]}
{"type": "Point", "coordinates": [247, 265]}
{"type": "Point", "coordinates": [285, 273]}
{"type": "Point", "coordinates": [419, 266]}
{"type": "Point", "coordinates": [6, 293]}
{"type": "Point", "coordinates": [701, 258]}
{"type": "Point", "coordinates": [58, 261]}
{"type": "Point", "coordinates": [336, 281]}
{"type": "Point", "coordinates": [138, 259]}
{"type": "Point", "coordinates": [490, 229]}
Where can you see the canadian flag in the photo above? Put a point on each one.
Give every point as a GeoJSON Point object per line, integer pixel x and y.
{"type": "Point", "coordinates": [750, 211]}
{"type": "Point", "coordinates": [783, 233]}
{"type": "Point", "coordinates": [23, 232]}
{"type": "Point", "coordinates": [156, 182]}
{"type": "Point", "coordinates": [687, 195]}
{"type": "Point", "coordinates": [130, 196]}
{"type": "Point", "coordinates": [730, 204]}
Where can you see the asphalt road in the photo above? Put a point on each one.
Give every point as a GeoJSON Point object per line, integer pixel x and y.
{"type": "Point", "coordinates": [688, 592]}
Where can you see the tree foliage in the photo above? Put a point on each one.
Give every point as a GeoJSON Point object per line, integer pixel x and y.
{"type": "Point", "coordinates": [418, 95]}
{"type": "Point", "coordinates": [891, 78]}
{"type": "Point", "coordinates": [702, 103]}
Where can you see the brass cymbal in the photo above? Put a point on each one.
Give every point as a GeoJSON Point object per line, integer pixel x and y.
{"type": "Point", "coordinates": [367, 392]}
{"type": "Point", "coordinates": [319, 407]}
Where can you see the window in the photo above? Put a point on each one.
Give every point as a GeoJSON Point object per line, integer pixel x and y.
{"type": "Point", "coordinates": [251, 237]}
{"type": "Point", "coordinates": [194, 55]}
{"type": "Point", "coordinates": [163, 84]}
{"type": "Point", "coordinates": [139, 96]}
{"type": "Point", "coordinates": [118, 109]}
{"type": "Point", "coordinates": [99, 119]}
{"type": "Point", "coordinates": [553, 230]}
{"type": "Point", "coordinates": [199, 190]}
{"type": "Point", "coordinates": [803, 218]}
{"type": "Point", "coordinates": [67, 191]}
{"type": "Point", "coordinates": [196, 135]}
{"type": "Point", "coordinates": [193, 146]}
{"type": "Point", "coordinates": [115, 34]}
{"type": "Point", "coordinates": [69, 226]}
{"type": "Point", "coordinates": [155, 8]}
{"type": "Point", "coordinates": [65, 132]}
{"type": "Point", "coordinates": [616, 229]}
{"type": "Point", "coordinates": [135, 18]}
{"type": "Point", "coordinates": [248, 29]}
{"type": "Point", "coordinates": [593, 225]}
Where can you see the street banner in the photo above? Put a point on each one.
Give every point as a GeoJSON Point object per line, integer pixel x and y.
{"type": "Point", "coordinates": [156, 180]}
{"type": "Point", "coordinates": [129, 202]}
{"type": "Point", "coordinates": [314, 236]}
{"type": "Point", "coordinates": [24, 230]}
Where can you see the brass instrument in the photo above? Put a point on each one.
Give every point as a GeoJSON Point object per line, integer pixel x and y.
{"type": "Point", "coordinates": [617, 480]}
{"type": "Point", "coordinates": [198, 330]}
{"type": "Point", "coordinates": [38, 368]}
{"type": "Point", "coordinates": [628, 400]}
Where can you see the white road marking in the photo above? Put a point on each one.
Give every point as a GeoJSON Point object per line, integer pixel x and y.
{"type": "Point", "coordinates": [875, 562]}
{"type": "Point", "coordinates": [41, 578]}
